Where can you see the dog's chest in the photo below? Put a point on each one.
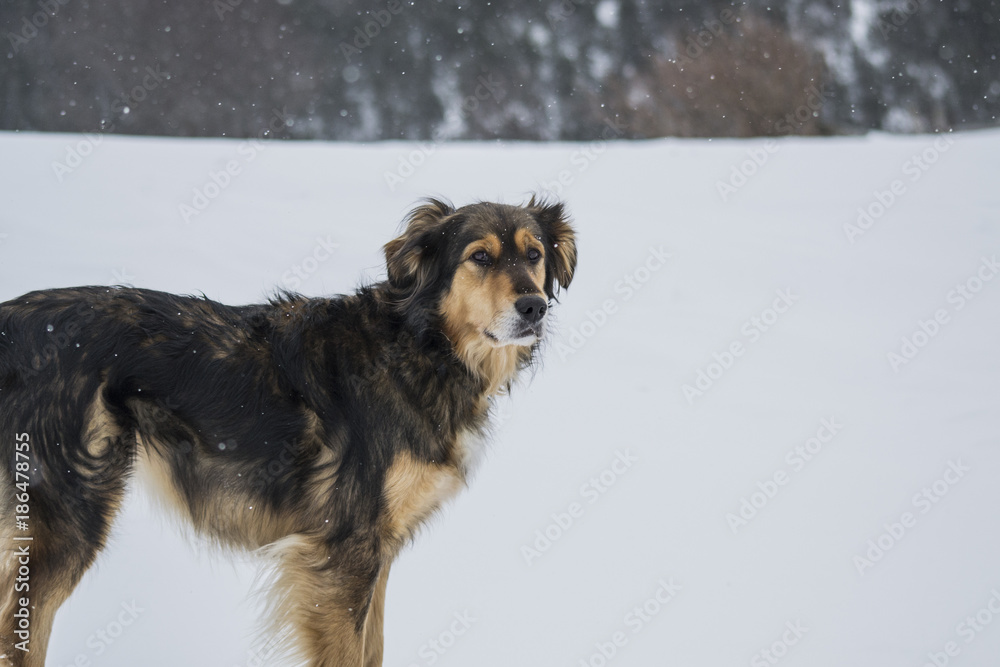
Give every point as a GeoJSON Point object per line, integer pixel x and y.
{"type": "Point", "coordinates": [414, 489]}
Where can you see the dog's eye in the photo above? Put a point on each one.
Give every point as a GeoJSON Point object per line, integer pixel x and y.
{"type": "Point", "coordinates": [480, 257]}
{"type": "Point", "coordinates": [534, 255]}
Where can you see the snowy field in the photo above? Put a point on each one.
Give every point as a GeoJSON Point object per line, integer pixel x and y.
{"type": "Point", "coordinates": [765, 433]}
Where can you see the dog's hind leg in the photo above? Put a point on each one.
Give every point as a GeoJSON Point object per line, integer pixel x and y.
{"type": "Point", "coordinates": [70, 511]}
{"type": "Point", "coordinates": [9, 586]}
{"type": "Point", "coordinates": [50, 573]}
{"type": "Point", "coordinates": [45, 570]}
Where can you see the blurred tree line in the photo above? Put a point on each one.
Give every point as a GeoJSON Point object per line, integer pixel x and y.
{"type": "Point", "coordinates": [453, 69]}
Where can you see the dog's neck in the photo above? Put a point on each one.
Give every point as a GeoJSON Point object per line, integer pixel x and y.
{"type": "Point", "coordinates": [495, 367]}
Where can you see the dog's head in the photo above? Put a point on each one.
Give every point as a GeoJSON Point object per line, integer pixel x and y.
{"type": "Point", "coordinates": [485, 274]}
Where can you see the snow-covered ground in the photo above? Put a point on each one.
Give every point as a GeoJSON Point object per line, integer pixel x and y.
{"type": "Point", "coordinates": [731, 450]}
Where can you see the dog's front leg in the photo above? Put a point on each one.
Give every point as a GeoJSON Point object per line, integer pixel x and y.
{"type": "Point", "coordinates": [373, 625]}
{"type": "Point", "coordinates": [325, 597]}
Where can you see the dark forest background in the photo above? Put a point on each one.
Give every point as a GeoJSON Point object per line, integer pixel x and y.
{"type": "Point", "coordinates": [551, 70]}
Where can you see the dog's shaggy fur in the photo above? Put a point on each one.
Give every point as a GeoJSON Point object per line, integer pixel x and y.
{"type": "Point", "coordinates": [321, 430]}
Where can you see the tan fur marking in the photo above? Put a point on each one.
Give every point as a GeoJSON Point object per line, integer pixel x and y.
{"type": "Point", "coordinates": [374, 639]}
{"type": "Point", "coordinates": [496, 365]}
{"type": "Point", "coordinates": [227, 517]}
{"type": "Point", "coordinates": [100, 431]}
{"type": "Point", "coordinates": [413, 490]}
{"type": "Point", "coordinates": [526, 240]}
{"type": "Point", "coordinates": [537, 273]}
{"type": "Point", "coordinates": [469, 309]}
{"type": "Point", "coordinates": [490, 243]}
{"type": "Point", "coordinates": [158, 479]}
{"type": "Point", "coordinates": [312, 604]}
{"type": "Point", "coordinates": [325, 464]}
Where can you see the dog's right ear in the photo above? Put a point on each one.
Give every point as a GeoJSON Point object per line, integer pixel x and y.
{"type": "Point", "coordinates": [560, 242]}
{"type": "Point", "coordinates": [409, 258]}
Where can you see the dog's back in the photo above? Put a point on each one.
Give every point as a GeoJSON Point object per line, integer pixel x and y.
{"type": "Point", "coordinates": [85, 373]}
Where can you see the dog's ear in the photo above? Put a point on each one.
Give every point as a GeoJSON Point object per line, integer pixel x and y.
{"type": "Point", "coordinates": [560, 243]}
{"type": "Point", "coordinates": [409, 257]}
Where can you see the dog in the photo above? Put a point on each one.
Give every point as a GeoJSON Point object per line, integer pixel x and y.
{"type": "Point", "coordinates": [322, 431]}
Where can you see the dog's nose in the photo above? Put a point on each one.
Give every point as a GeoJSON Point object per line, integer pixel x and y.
{"type": "Point", "coordinates": [532, 308]}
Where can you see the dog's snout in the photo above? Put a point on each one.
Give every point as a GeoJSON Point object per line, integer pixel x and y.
{"type": "Point", "coordinates": [531, 308]}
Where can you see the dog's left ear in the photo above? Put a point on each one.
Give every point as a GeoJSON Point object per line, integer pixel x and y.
{"type": "Point", "coordinates": [409, 257]}
{"type": "Point", "coordinates": [560, 244]}
{"type": "Point", "coordinates": [414, 262]}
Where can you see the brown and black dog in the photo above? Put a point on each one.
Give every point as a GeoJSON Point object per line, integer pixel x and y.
{"type": "Point", "coordinates": [323, 430]}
